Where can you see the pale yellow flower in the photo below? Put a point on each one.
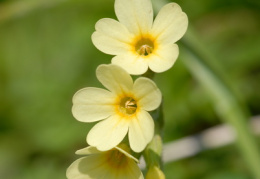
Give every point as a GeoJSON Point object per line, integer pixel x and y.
{"type": "Point", "coordinates": [139, 42]}
{"type": "Point", "coordinates": [113, 164]}
{"type": "Point", "coordinates": [122, 109]}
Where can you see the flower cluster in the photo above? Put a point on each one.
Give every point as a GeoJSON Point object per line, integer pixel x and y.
{"type": "Point", "coordinates": [125, 125]}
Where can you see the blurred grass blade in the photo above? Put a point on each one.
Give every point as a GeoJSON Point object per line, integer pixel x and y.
{"type": "Point", "coordinates": [10, 10]}
{"type": "Point", "coordinates": [205, 69]}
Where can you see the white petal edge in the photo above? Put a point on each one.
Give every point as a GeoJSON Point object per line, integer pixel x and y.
{"type": "Point", "coordinates": [133, 64]}
{"type": "Point", "coordinates": [127, 154]}
{"type": "Point", "coordinates": [136, 15]}
{"type": "Point", "coordinates": [141, 131]}
{"type": "Point", "coordinates": [111, 37]}
{"type": "Point", "coordinates": [164, 58]}
{"type": "Point", "coordinates": [92, 104]}
{"type": "Point", "coordinates": [147, 94]}
{"type": "Point", "coordinates": [170, 24]}
{"type": "Point", "coordinates": [114, 78]}
{"type": "Point", "coordinates": [108, 133]}
{"type": "Point", "coordinates": [93, 150]}
{"type": "Point", "coordinates": [88, 151]}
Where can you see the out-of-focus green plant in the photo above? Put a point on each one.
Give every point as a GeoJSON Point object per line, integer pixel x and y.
{"type": "Point", "coordinates": [226, 104]}
{"type": "Point", "coordinates": [46, 55]}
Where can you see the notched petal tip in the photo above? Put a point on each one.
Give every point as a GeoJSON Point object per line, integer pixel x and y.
{"type": "Point", "coordinates": [114, 78]}
{"type": "Point", "coordinates": [170, 24]}
{"type": "Point", "coordinates": [147, 93]}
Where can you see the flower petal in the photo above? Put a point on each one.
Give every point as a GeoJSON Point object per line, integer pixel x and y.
{"type": "Point", "coordinates": [147, 94]}
{"type": "Point", "coordinates": [114, 78]}
{"type": "Point", "coordinates": [126, 153]}
{"type": "Point", "coordinates": [141, 131]}
{"type": "Point", "coordinates": [136, 15]}
{"type": "Point", "coordinates": [170, 24]}
{"type": "Point", "coordinates": [108, 133]}
{"type": "Point", "coordinates": [132, 171]}
{"type": "Point", "coordinates": [164, 58]}
{"type": "Point", "coordinates": [97, 166]}
{"type": "Point", "coordinates": [111, 37]}
{"type": "Point", "coordinates": [87, 151]}
{"type": "Point", "coordinates": [93, 166]}
{"type": "Point", "coordinates": [133, 64]}
{"type": "Point", "coordinates": [92, 104]}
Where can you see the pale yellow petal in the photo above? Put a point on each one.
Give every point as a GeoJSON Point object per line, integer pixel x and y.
{"type": "Point", "coordinates": [97, 166]}
{"type": "Point", "coordinates": [92, 104]}
{"type": "Point", "coordinates": [141, 130]}
{"type": "Point", "coordinates": [114, 78]}
{"type": "Point", "coordinates": [164, 58]}
{"type": "Point", "coordinates": [136, 15]}
{"type": "Point", "coordinates": [147, 94]}
{"type": "Point", "coordinates": [127, 154]}
{"type": "Point", "coordinates": [108, 133]}
{"type": "Point", "coordinates": [170, 24]}
{"type": "Point", "coordinates": [132, 171]}
{"type": "Point", "coordinates": [88, 168]}
{"type": "Point", "coordinates": [133, 64]}
{"type": "Point", "coordinates": [111, 37]}
{"type": "Point", "coordinates": [88, 150]}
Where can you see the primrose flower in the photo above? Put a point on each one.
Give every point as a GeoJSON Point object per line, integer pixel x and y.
{"type": "Point", "coordinates": [122, 109]}
{"type": "Point", "coordinates": [113, 164]}
{"type": "Point", "coordinates": [139, 42]}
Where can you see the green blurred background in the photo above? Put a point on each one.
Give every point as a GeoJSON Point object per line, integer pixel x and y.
{"type": "Point", "coordinates": [46, 55]}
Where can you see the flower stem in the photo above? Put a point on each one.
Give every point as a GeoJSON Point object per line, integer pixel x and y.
{"type": "Point", "coordinates": [153, 151]}
{"type": "Point", "coordinates": [225, 99]}
{"type": "Point", "coordinates": [149, 74]}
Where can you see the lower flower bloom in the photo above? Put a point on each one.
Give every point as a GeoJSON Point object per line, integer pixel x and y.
{"type": "Point", "coordinates": [116, 163]}
{"type": "Point", "coordinates": [121, 109]}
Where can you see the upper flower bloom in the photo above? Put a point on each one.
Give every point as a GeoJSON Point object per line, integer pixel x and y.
{"type": "Point", "coordinates": [136, 40]}
{"type": "Point", "coordinates": [124, 109]}
{"type": "Point", "coordinates": [113, 164]}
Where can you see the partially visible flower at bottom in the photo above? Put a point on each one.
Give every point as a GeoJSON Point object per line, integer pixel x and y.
{"type": "Point", "coordinates": [116, 163]}
{"type": "Point", "coordinates": [121, 110]}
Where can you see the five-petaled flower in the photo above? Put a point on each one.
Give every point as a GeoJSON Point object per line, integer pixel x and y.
{"type": "Point", "coordinates": [122, 109]}
{"type": "Point", "coordinates": [139, 42]}
{"type": "Point", "coordinates": [116, 163]}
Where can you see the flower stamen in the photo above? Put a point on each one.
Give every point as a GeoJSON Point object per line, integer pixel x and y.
{"type": "Point", "coordinates": [128, 106]}
{"type": "Point", "coordinates": [144, 47]}
{"type": "Point", "coordinates": [145, 50]}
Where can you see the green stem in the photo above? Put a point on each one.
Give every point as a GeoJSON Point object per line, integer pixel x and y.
{"type": "Point", "coordinates": [153, 151]}
{"type": "Point", "coordinates": [229, 107]}
{"type": "Point", "coordinates": [149, 74]}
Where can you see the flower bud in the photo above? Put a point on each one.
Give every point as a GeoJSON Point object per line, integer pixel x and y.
{"type": "Point", "coordinates": [154, 172]}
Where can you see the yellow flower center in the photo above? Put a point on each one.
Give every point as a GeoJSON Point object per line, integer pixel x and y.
{"type": "Point", "coordinates": [144, 46]}
{"type": "Point", "coordinates": [116, 159]}
{"type": "Point", "coordinates": [127, 106]}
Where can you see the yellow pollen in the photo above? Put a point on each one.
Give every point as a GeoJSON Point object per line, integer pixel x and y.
{"type": "Point", "coordinates": [144, 46]}
{"type": "Point", "coordinates": [127, 106]}
{"type": "Point", "coordinates": [145, 50]}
